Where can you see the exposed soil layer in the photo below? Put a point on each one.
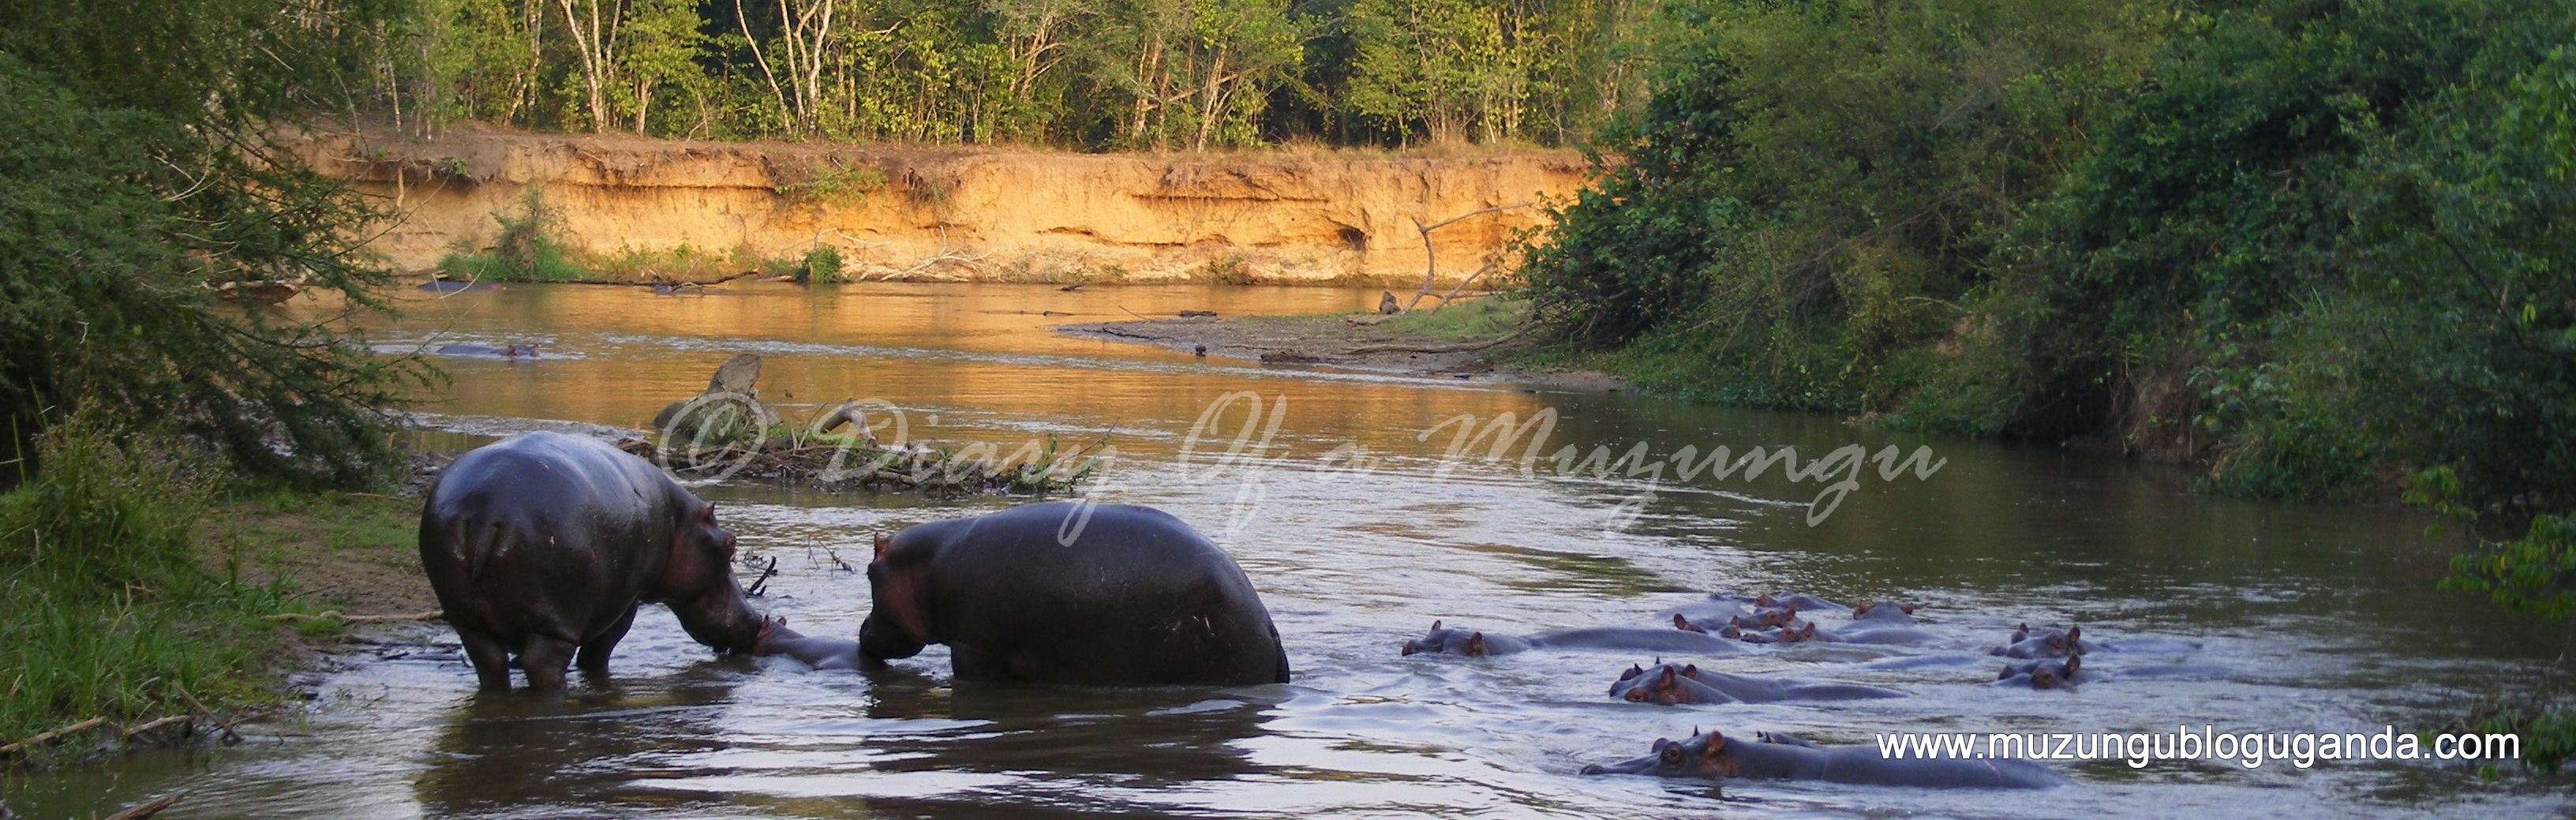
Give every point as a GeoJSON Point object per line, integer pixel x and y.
{"type": "Point", "coordinates": [958, 214]}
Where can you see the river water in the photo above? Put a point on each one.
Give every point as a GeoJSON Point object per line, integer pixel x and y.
{"type": "Point", "coordinates": [1345, 505]}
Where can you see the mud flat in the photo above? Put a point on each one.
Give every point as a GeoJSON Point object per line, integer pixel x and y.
{"type": "Point", "coordinates": [1353, 341]}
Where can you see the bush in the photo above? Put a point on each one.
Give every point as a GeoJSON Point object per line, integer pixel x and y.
{"type": "Point", "coordinates": [526, 250]}
{"type": "Point", "coordinates": [822, 264]}
{"type": "Point", "coordinates": [112, 226]}
{"type": "Point", "coordinates": [108, 612]}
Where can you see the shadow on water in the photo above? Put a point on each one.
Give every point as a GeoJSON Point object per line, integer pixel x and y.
{"type": "Point", "coordinates": [500, 752]}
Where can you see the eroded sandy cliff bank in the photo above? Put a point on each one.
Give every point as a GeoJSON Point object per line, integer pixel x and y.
{"type": "Point", "coordinates": [982, 214]}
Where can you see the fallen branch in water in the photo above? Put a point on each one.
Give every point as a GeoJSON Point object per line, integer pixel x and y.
{"type": "Point", "coordinates": [1113, 331]}
{"type": "Point", "coordinates": [1456, 348]}
{"type": "Point", "coordinates": [334, 615]}
{"type": "Point", "coordinates": [222, 729]}
{"type": "Point", "coordinates": [148, 809]}
{"type": "Point", "coordinates": [130, 733]}
{"type": "Point", "coordinates": [41, 737]}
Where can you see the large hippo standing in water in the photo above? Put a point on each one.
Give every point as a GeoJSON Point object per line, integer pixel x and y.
{"type": "Point", "coordinates": [546, 544]}
{"type": "Point", "coordinates": [1061, 592]}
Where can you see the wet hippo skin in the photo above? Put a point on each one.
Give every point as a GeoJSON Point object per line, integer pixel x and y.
{"type": "Point", "coordinates": [1713, 756]}
{"type": "Point", "coordinates": [1060, 593]}
{"type": "Point", "coordinates": [546, 543]}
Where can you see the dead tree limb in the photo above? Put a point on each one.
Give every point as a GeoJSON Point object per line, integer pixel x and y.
{"type": "Point", "coordinates": [41, 737]}
{"type": "Point", "coordinates": [1456, 348]}
{"type": "Point", "coordinates": [1430, 262]}
{"type": "Point", "coordinates": [148, 809]}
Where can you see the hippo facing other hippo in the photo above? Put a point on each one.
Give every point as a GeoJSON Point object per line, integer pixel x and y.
{"type": "Point", "coordinates": [545, 544]}
{"type": "Point", "coordinates": [1060, 592]}
{"type": "Point", "coordinates": [1714, 756]}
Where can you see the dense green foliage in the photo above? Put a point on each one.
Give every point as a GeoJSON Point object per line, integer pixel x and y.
{"type": "Point", "coordinates": [2314, 245]}
{"type": "Point", "coordinates": [107, 612]}
{"type": "Point", "coordinates": [1124, 74]}
{"type": "Point", "coordinates": [140, 178]}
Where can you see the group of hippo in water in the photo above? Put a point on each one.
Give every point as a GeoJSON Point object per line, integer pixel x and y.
{"type": "Point", "coordinates": [541, 549]}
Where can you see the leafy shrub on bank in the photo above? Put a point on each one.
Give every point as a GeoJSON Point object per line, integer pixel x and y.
{"type": "Point", "coordinates": [2311, 245]}
{"type": "Point", "coordinates": [109, 613]}
{"type": "Point", "coordinates": [526, 250]}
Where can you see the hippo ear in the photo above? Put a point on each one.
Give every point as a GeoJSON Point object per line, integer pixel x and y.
{"type": "Point", "coordinates": [1906, 608]}
{"type": "Point", "coordinates": [1861, 610]}
{"type": "Point", "coordinates": [1682, 623]}
{"type": "Point", "coordinates": [1691, 671]}
{"type": "Point", "coordinates": [883, 543]}
{"type": "Point", "coordinates": [1667, 680]}
{"type": "Point", "coordinates": [2074, 663]}
{"type": "Point", "coordinates": [2074, 633]}
{"type": "Point", "coordinates": [1435, 625]}
{"type": "Point", "coordinates": [1476, 645]}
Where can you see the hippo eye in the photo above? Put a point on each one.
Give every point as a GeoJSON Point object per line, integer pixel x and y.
{"type": "Point", "coordinates": [1671, 753]}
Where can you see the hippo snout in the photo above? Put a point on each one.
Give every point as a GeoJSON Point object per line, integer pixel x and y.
{"type": "Point", "coordinates": [1594, 768]}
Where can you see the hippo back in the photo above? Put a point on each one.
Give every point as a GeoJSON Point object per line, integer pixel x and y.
{"type": "Point", "coordinates": [1134, 597]}
{"type": "Point", "coordinates": [545, 534]}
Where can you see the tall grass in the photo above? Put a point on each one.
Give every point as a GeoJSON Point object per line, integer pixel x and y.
{"type": "Point", "coordinates": [107, 611]}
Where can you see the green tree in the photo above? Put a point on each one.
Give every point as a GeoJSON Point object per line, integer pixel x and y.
{"type": "Point", "coordinates": [143, 172]}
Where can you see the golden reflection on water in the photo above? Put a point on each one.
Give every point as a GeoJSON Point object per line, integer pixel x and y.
{"type": "Point", "coordinates": [966, 362]}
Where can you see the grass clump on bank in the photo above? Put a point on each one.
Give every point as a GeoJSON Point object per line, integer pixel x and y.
{"type": "Point", "coordinates": [1469, 320]}
{"type": "Point", "coordinates": [529, 248]}
{"type": "Point", "coordinates": [110, 612]}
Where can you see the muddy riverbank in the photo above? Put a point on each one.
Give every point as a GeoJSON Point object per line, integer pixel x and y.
{"type": "Point", "coordinates": [1418, 345]}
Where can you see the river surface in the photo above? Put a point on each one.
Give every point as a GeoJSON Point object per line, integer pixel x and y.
{"type": "Point", "coordinates": [1343, 502]}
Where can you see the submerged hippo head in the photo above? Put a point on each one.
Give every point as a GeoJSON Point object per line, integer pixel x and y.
{"type": "Point", "coordinates": [2045, 674]}
{"type": "Point", "coordinates": [1666, 684]}
{"type": "Point", "coordinates": [1890, 611]}
{"type": "Point", "coordinates": [2028, 644]}
{"type": "Point", "coordinates": [698, 582]}
{"type": "Point", "coordinates": [1702, 756]}
{"type": "Point", "coordinates": [898, 623]}
{"type": "Point", "coordinates": [1767, 618]}
{"type": "Point", "coordinates": [1453, 641]}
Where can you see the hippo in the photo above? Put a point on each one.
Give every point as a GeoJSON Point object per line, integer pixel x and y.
{"type": "Point", "coordinates": [506, 352]}
{"type": "Point", "coordinates": [1133, 597]}
{"type": "Point", "coordinates": [547, 543]}
{"type": "Point", "coordinates": [2026, 644]}
{"type": "Point", "coordinates": [1884, 612]}
{"type": "Point", "coordinates": [1670, 684]}
{"type": "Point", "coordinates": [1712, 756]}
{"type": "Point", "coordinates": [1445, 640]}
{"type": "Point", "coordinates": [1884, 622]}
{"type": "Point", "coordinates": [2045, 674]}
{"type": "Point", "coordinates": [1804, 631]}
